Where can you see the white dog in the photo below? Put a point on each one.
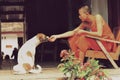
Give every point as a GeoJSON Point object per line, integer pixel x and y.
{"type": "Point", "coordinates": [26, 55]}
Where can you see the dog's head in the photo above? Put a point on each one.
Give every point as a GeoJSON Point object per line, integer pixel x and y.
{"type": "Point", "coordinates": [42, 37]}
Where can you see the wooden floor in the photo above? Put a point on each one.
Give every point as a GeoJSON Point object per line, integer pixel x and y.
{"type": "Point", "coordinates": [49, 72]}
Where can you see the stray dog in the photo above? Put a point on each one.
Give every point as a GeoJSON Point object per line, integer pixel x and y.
{"type": "Point", "coordinates": [26, 55]}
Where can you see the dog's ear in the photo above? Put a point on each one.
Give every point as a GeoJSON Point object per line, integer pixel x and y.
{"type": "Point", "coordinates": [42, 37]}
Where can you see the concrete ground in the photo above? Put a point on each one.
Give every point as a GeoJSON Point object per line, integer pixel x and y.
{"type": "Point", "coordinates": [49, 72]}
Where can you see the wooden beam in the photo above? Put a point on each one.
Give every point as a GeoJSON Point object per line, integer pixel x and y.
{"type": "Point", "coordinates": [107, 54]}
{"type": "Point", "coordinates": [103, 39]}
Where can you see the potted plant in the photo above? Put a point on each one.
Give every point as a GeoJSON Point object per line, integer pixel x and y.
{"type": "Point", "coordinates": [74, 70]}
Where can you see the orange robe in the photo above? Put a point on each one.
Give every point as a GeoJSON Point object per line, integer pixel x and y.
{"type": "Point", "coordinates": [81, 43]}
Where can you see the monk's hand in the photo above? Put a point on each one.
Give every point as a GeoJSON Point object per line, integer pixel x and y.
{"type": "Point", "coordinates": [52, 38]}
{"type": "Point", "coordinates": [80, 32]}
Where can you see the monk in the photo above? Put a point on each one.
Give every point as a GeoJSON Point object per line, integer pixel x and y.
{"type": "Point", "coordinates": [95, 25]}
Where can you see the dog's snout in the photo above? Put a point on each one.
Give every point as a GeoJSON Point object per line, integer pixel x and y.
{"type": "Point", "coordinates": [46, 38]}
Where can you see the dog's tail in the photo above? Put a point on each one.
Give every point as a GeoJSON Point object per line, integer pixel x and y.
{"type": "Point", "coordinates": [38, 70]}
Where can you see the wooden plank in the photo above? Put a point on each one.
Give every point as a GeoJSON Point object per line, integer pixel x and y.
{"type": "Point", "coordinates": [107, 54]}
{"type": "Point", "coordinates": [103, 39]}
{"type": "Point", "coordinates": [101, 55]}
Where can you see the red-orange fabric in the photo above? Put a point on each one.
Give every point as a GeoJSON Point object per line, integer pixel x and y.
{"type": "Point", "coordinates": [81, 43]}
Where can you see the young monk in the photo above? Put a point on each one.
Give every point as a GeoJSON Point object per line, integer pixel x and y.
{"type": "Point", "coordinates": [76, 38]}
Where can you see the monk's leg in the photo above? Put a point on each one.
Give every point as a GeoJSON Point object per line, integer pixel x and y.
{"type": "Point", "coordinates": [79, 45]}
{"type": "Point", "coordinates": [81, 56]}
{"type": "Point", "coordinates": [82, 46]}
